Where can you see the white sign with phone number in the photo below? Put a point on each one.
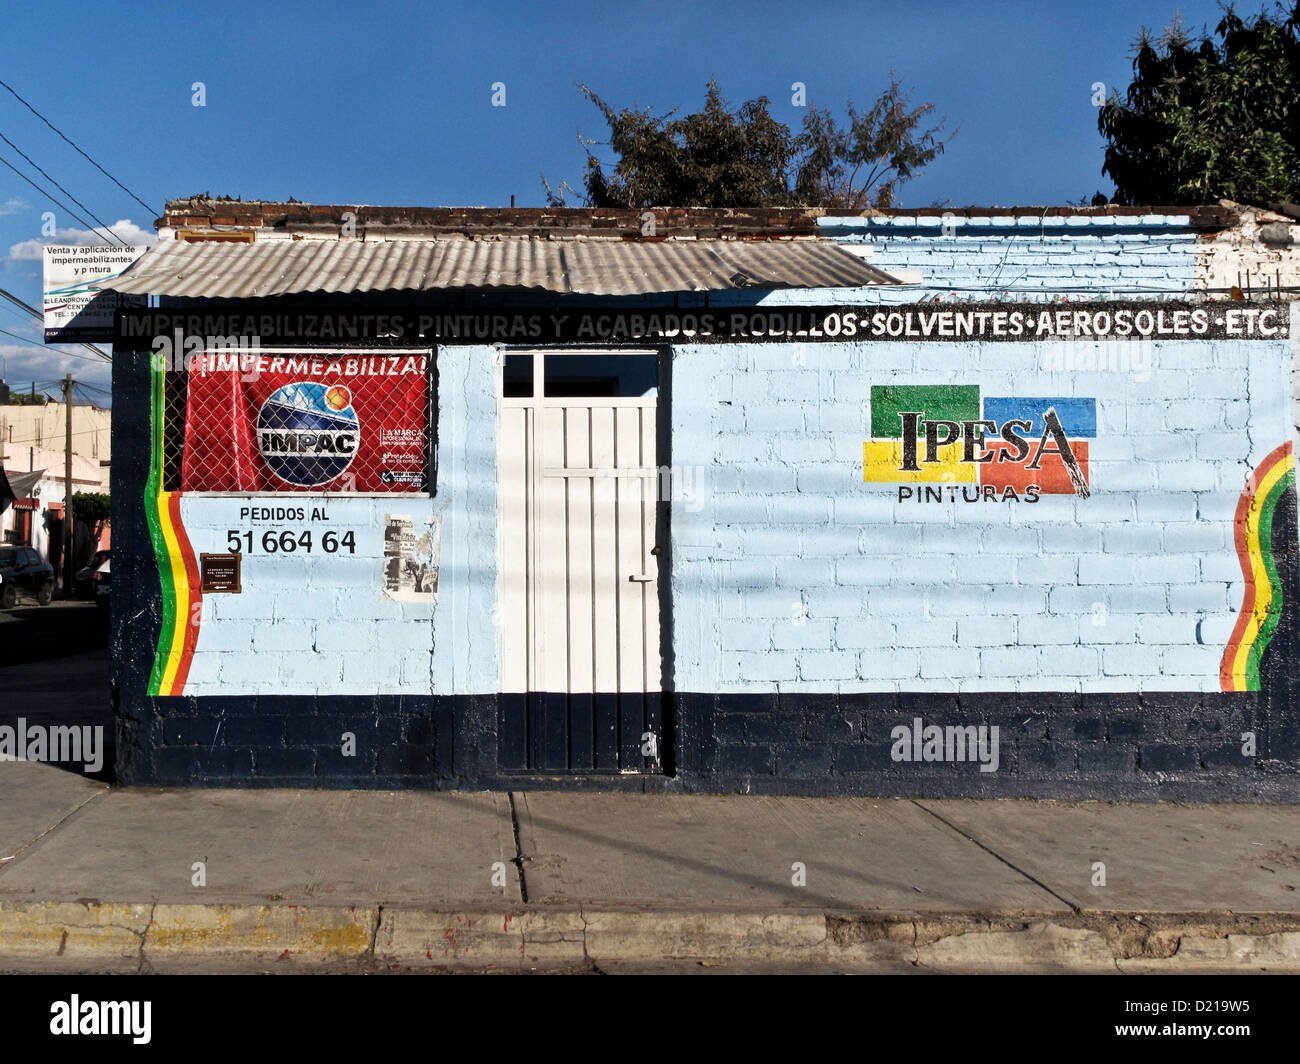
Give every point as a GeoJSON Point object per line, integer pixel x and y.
{"type": "Point", "coordinates": [76, 306]}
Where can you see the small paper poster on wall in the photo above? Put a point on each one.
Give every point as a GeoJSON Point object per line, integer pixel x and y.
{"type": "Point", "coordinates": [411, 558]}
{"type": "Point", "coordinates": [305, 422]}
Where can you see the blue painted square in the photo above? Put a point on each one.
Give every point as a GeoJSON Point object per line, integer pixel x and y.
{"type": "Point", "coordinates": [1078, 416]}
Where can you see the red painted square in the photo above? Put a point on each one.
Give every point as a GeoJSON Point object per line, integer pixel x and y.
{"type": "Point", "coordinates": [1052, 478]}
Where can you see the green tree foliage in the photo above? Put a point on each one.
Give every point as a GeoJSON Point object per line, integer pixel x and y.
{"type": "Point", "coordinates": [864, 164]}
{"type": "Point", "coordinates": [718, 157]}
{"type": "Point", "coordinates": [1208, 119]}
{"type": "Point", "coordinates": [93, 508]}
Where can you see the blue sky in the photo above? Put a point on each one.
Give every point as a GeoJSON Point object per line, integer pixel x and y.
{"type": "Point", "coordinates": [390, 101]}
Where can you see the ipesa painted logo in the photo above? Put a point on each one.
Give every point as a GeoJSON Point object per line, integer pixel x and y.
{"type": "Point", "coordinates": [308, 433]}
{"type": "Point", "coordinates": [953, 443]}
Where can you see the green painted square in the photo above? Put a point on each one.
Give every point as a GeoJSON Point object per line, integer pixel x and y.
{"type": "Point", "coordinates": [937, 402]}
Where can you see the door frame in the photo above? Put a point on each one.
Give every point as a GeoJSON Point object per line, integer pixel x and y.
{"type": "Point", "coordinates": [668, 753]}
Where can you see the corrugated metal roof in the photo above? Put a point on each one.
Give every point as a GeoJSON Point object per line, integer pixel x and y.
{"type": "Point", "coordinates": [580, 267]}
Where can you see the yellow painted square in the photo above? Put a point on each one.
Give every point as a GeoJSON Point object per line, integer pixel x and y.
{"type": "Point", "coordinates": [882, 461]}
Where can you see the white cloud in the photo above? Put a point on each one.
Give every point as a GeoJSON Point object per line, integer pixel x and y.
{"type": "Point", "coordinates": [23, 364]}
{"type": "Point", "coordinates": [12, 206]}
{"type": "Point", "coordinates": [125, 229]}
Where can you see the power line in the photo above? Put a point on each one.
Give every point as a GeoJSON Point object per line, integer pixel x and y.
{"type": "Point", "coordinates": [48, 351]}
{"type": "Point", "coordinates": [98, 357]}
{"type": "Point", "coordinates": [88, 396]}
{"type": "Point", "coordinates": [27, 391]}
{"type": "Point", "coordinates": [49, 196]}
{"type": "Point", "coordinates": [41, 388]}
{"type": "Point", "coordinates": [24, 339]}
{"type": "Point", "coordinates": [70, 196]}
{"type": "Point", "coordinates": [43, 347]}
{"type": "Point", "coordinates": [78, 149]}
{"type": "Point", "coordinates": [36, 441]}
{"type": "Point", "coordinates": [32, 312]}
{"type": "Point", "coordinates": [38, 386]}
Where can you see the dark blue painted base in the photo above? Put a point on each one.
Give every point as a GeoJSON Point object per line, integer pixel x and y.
{"type": "Point", "coordinates": [1165, 746]}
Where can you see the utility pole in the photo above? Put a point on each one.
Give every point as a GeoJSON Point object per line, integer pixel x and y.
{"type": "Point", "coordinates": [68, 537]}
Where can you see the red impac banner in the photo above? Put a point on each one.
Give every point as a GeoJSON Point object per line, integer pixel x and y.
{"type": "Point", "coordinates": [305, 422]}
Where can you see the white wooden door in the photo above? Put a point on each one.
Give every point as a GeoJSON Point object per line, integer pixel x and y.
{"type": "Point", "coordinates": [581, 669]}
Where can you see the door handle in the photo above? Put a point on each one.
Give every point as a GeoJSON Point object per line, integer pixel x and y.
{"type": "Point", "coordinates": [643, 579]}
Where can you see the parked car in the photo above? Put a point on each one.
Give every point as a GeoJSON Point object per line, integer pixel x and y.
{"type": "Point", "coordinates": [101, 583]}
{"type": "Point", "coordinates": [23, 573]}
{"type": "Point", "coordinates": [84, 582]}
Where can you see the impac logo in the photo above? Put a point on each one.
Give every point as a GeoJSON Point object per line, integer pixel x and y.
{"type": "Point", "coordinates": [308, 432]}
{"type": "Point", "coordinates": [991, 448]}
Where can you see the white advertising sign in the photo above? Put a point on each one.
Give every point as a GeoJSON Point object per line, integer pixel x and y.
{"type": "Point", "coordinates": [76, 306]}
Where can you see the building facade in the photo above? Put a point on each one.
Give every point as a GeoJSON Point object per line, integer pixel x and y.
{"type": "Point", "coordinates": [32, 439]}
{"type": "Point", "coordinates": [992, 503]}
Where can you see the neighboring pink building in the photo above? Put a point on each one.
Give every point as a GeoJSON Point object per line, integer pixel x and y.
{"type": "Point", "coordinates": [36, 520]}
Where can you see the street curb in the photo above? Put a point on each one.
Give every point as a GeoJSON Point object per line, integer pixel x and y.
{"type": "Point", "coordinates": [92, 936]}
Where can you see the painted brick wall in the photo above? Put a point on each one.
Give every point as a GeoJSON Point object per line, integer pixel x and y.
{"type": "Point", "coordinates": [810, 610]}
{"type": "Point", "coordinates": [1025, 257]}
{"type": "Point", "coordinates": [309, 650]}
{"type": "Point", "coordinates": [984, 257]}
{"type": "Point", "coordinates": [795, 575]}
{"type": "Point", "coordinates": [308, 624]}
{"type": "Point", "coordinates": [1262, 251]}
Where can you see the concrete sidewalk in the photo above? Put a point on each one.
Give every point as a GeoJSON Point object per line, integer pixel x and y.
{"type": "Point", "coordinates": [100, 879]}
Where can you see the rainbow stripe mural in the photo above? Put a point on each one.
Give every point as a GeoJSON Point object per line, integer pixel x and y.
{"type": "Point", "coordinates": [1265, 598]}
{"type": "Point", "coordinates": [177, 567]}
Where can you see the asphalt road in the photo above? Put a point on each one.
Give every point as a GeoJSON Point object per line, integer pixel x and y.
{"type": "Point", "coordinates": [31, 633]}
{"type": "Point", "coordinates": [54, 669]}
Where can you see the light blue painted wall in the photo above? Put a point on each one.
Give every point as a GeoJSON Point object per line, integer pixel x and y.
{"type": "Point", "coordinates": [794, 574]}
{"type": "Point", "coordinates": [1019, 258]}
{"type": "Point", "coordinates": [317, 623]}
{"type": "Point", "coordinates": [787, 570]}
